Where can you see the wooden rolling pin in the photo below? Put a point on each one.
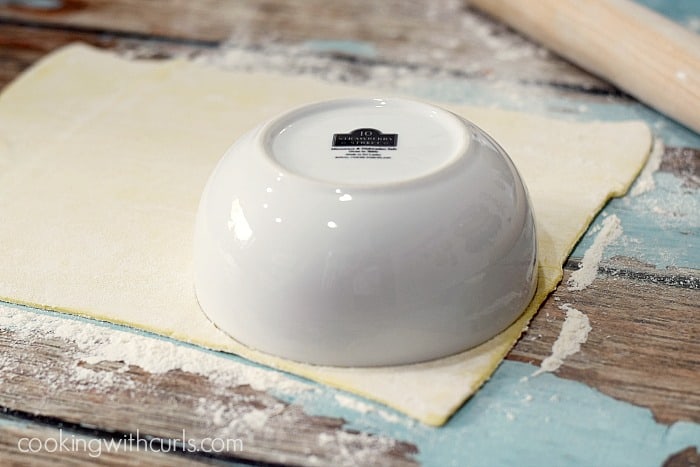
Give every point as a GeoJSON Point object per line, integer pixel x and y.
{"type": "Point", "coordinates": [643, 53]}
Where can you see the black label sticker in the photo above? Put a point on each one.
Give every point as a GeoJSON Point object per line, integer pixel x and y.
{"type": "Point", "coordinates": [368, 137]}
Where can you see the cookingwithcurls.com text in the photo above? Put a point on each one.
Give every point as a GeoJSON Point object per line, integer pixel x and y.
{"type": "Point", "coordinates": [131, 442]}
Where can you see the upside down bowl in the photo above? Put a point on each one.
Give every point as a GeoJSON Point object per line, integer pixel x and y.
{"type": "Point", "coordinates": [364, 232]}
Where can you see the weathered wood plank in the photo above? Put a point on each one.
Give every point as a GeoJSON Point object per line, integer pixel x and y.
{"type": "Point", "coordinates": [37, 365]}
{"type": "Point", "coordinates": [20, 46]}
{"type": "Point", "coordinates": [445, 36]}
{"type": "Point", "coordinates": [689, 457]}
{"type": "Point", "coordinates": [29, 443]}
{"type": "Point", "coordinates": [644, 347]}
{"type": "Point", "coordinates": [661, 221]}
{"type": "Point", "coordinates": [44, 372]}
{"type": "Point", "coordinates": [644, 343]}
{"type": "Point", "coordinates": [683, 163]}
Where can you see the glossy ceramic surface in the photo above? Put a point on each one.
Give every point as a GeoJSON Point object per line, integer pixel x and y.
{"type": "Point", "coordinates": [364, 232]}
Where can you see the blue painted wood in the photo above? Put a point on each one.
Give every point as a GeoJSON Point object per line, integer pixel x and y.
{"type": "Point", "coordinates": [685, 12]}
{"type": "Point", "coordinates": [661, 227]}
{"type": "Point", "coordinates": [348, 47]}
{"type": "Point", "coordinates": [516, 419]}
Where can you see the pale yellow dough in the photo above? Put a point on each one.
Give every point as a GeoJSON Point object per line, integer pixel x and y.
{"type": "Point", "coordinates": [102, 162]}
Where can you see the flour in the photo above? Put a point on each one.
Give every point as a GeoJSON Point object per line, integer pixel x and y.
{"type": "Point", "coordinates": [94, 344]}
{"type": "Point", "coordinates": [499, 50]}
{"type": "Point", "coordinates": [351, 452]}
{"type": "Point", "coordinates": [132, 293]}
{"type": "Point", "coordinates": [299, 60]}
{"type": "Point", "coordinates": [504, 45]}
{"type": "Point", "coordinates": [354, 404]}
{"type": "Point", "coordinates": [325, 438]}
{"type": "Point", "coordinates": [365, 408]}
{"type": "Point", "coordinates": [645, 182]}
{"type": "Point", "coordinates": [574, 332]}
{"type": "Point", "coordinates": [226, 415]}
{"type": "Point", "coordinates": [693, 23]}
{"type": "Point", "coordinates": [585, 275]}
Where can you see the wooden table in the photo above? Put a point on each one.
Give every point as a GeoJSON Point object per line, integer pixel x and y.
{"type": "Point", "coordinates": [631, 396]}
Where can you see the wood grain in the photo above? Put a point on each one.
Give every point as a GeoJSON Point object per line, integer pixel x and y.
{"type": "Point", "coordinates": [653, 58]}
{"type": "Point", "coordinates": [645, 344]}
{"type": "Point", "coordinates": [443, 37]}
{"type": "Point", "coordinates": [620, 309]}
{"type": "Point", "coordinates": [15, 434]}
{"type": "Point", "coordinates": [688, 457]}
{"type": "Point", "coordinates": [37, 380]}
{"type": "Point", "coordinates": [21, 46]}
{"type": "Point", "coordinates": [683, 163]}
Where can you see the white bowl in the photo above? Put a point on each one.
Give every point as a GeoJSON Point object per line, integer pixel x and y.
{"type": "Point", "coordinates": [364, 232]}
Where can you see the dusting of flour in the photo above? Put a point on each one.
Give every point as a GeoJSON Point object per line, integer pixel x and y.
{"type": "Point", "coordinates": [645, 182]}
{"type": "Point", "coordinates": [585, 275]}
{"type": "Point", "coordinates": [227, 414]}
{"type": "Point", "coordinates": [574, 332]}
{"type": "Point", "coordinates": [94, 344]}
